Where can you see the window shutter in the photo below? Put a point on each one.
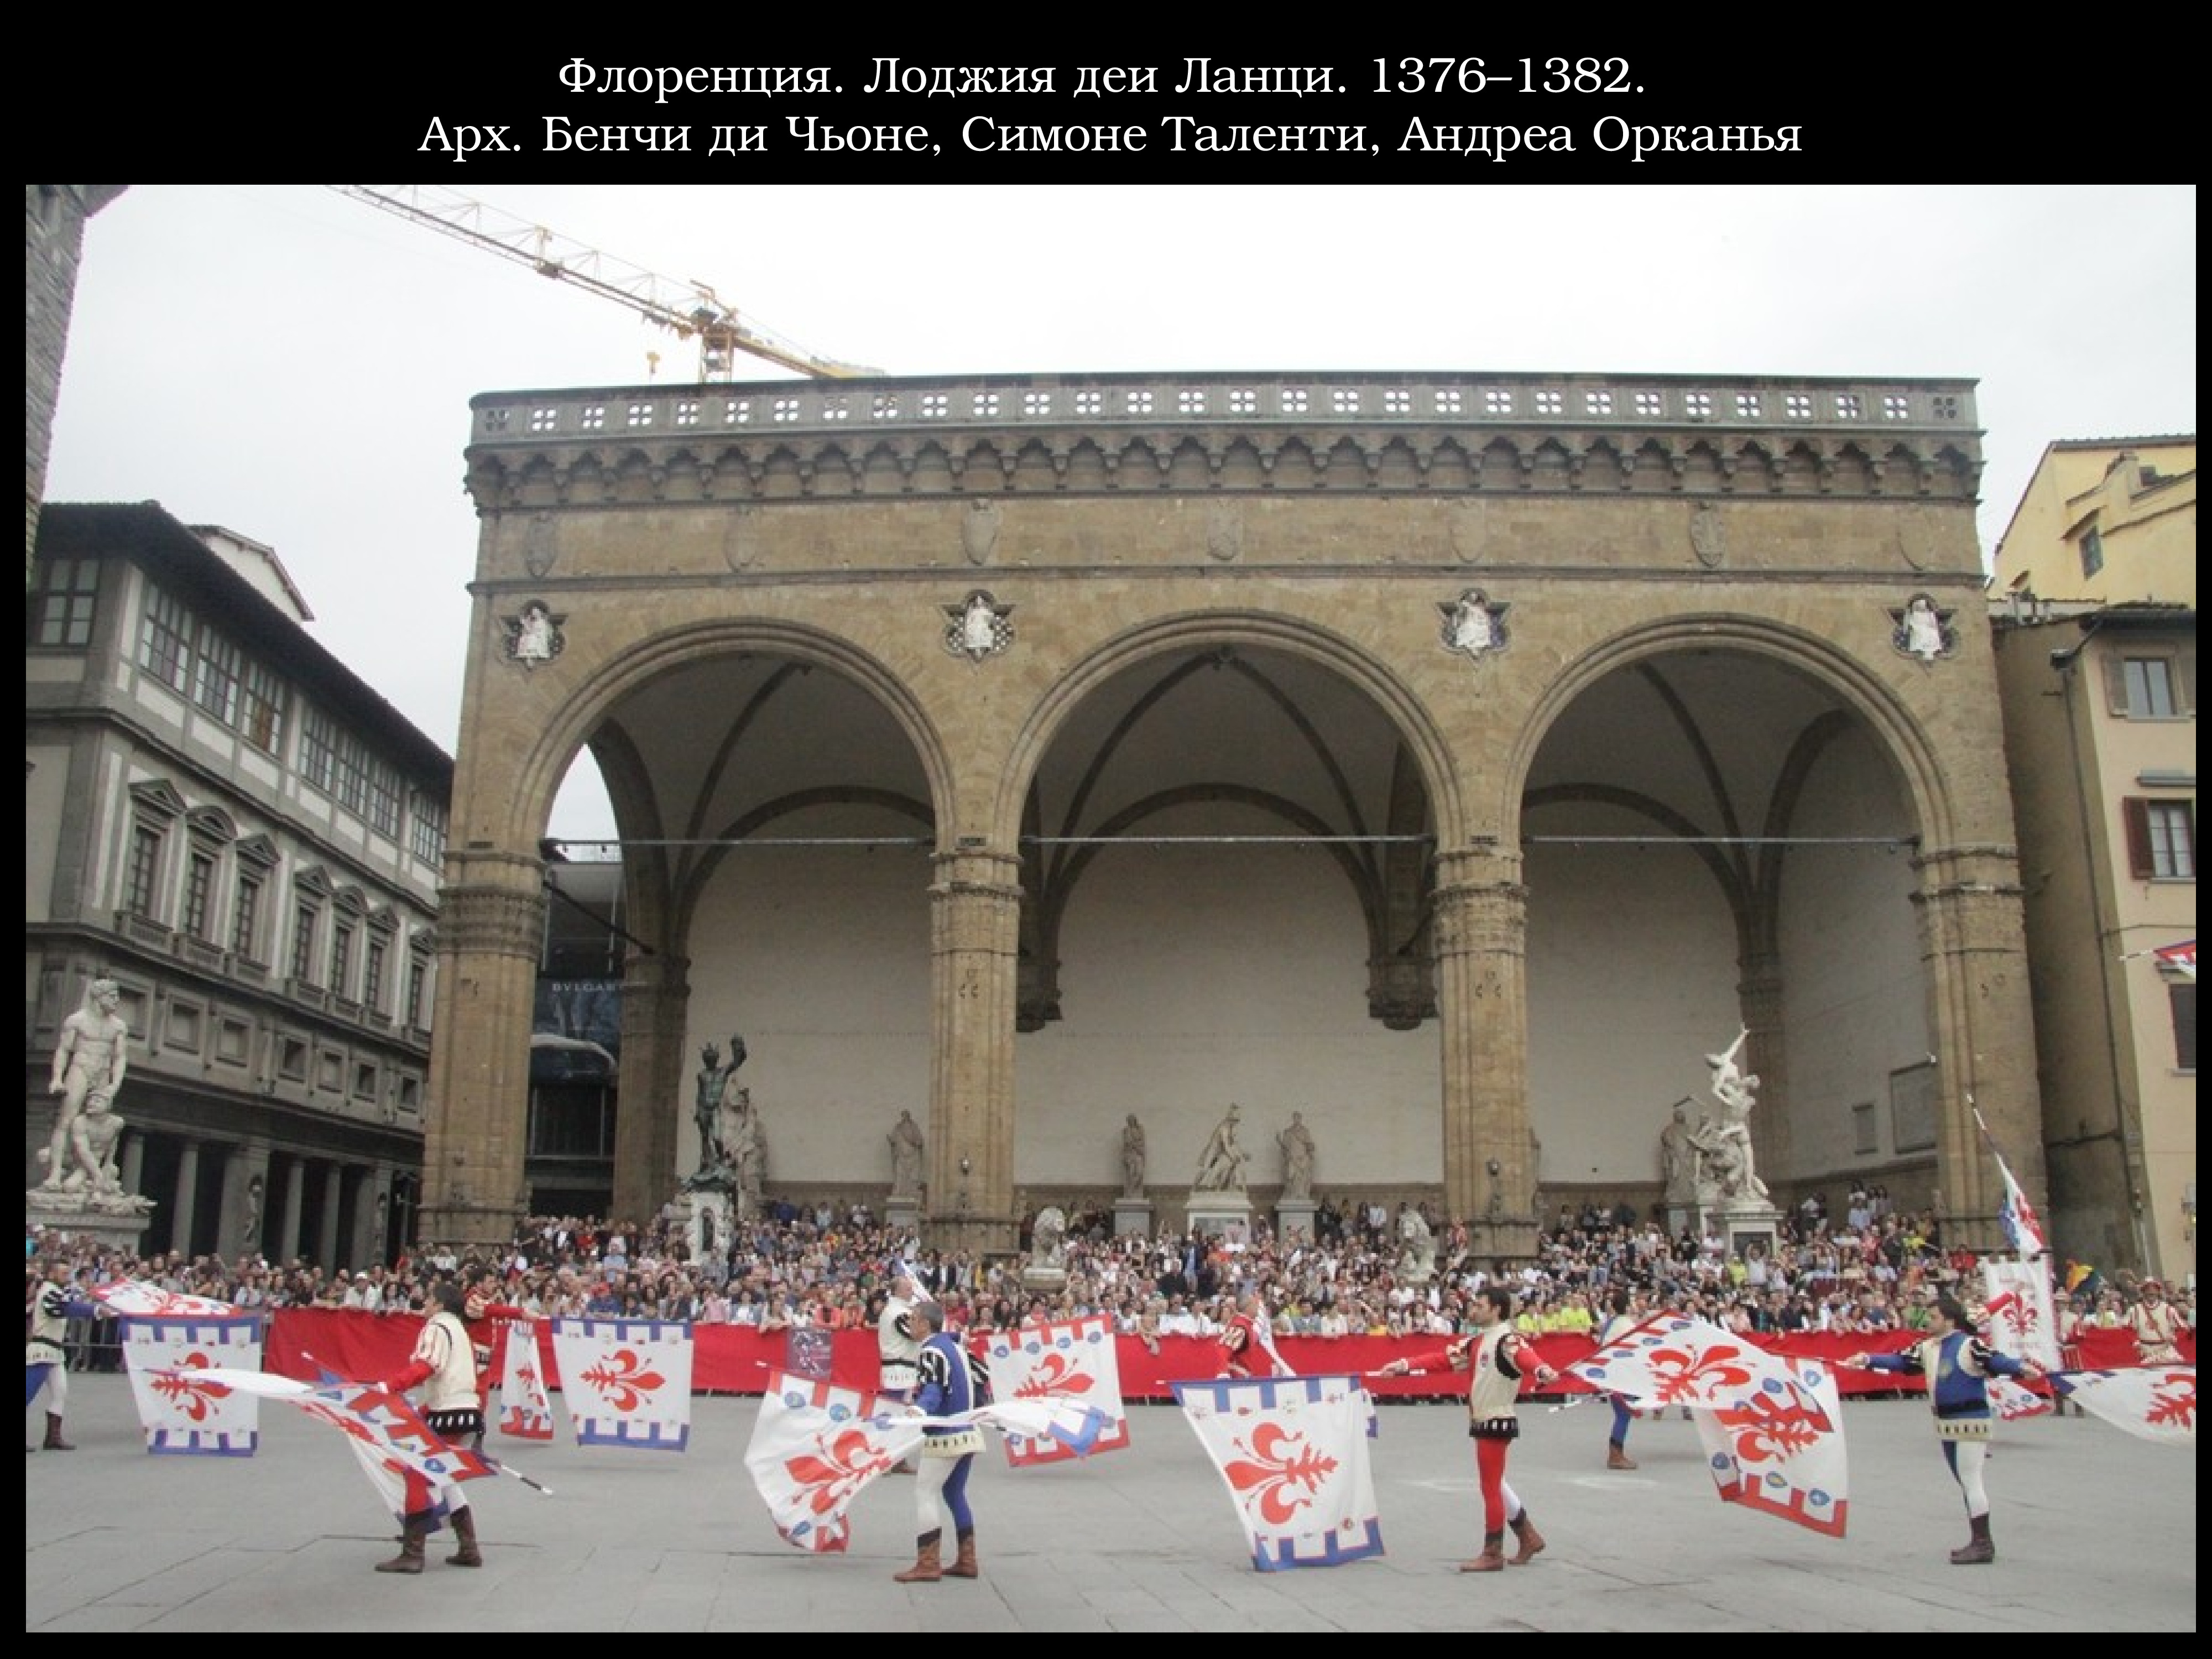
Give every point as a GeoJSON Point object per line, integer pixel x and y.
{"type": "Point", "coordinates": [2135, 816]}
{"type": "Point", "coordinates": [2116, 682]}
{"type": "Point", "coordinates": [2185, 678]}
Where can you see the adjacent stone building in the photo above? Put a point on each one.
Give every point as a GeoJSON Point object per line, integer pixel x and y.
{"type": "Point", "coordinates": [2096, 650]}
{"type": "Point", "coordinates": [1456, 759]}
{"type": "Point", "coordinates": [230, 823]}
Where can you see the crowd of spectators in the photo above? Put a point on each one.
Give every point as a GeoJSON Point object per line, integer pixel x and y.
{"type": "Point", "coordinates": [1872, 1269]}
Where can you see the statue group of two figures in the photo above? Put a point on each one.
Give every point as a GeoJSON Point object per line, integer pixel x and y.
{"type": "Point", "coordinates": [732, 1147]}
{"type": "Point", "coordinates": [80, 1158]}
{"type": "Point", "coordinates": [1711, 1166]}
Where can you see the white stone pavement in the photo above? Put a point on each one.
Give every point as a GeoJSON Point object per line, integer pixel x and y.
{"type": "Point", "coordinates": [2095, 1530]}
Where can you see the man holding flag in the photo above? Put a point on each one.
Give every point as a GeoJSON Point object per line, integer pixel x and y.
{"type": "Point", "coordinates": [1958, 1365]}
{"type": "Point", "coordinates": [444, 1360]}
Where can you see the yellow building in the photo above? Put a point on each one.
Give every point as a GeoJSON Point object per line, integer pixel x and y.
{"type": "Point", "coordinates": [2096, 653]}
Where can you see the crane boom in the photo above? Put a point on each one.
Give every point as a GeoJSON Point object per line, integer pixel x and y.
{"type": "Point", "coordinates": [690, 310]}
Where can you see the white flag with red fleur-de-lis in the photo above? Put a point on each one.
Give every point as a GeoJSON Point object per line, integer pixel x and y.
{"type": "Point", "coordinates": [525, 1412]}
{"type": "Point", "coordinates": [1073, 1361]}
{"type": "Point", "coordinates": [815, 1446]}
{"type": "Point", "coordinates": [2152, 1402]}
{"type": "Point", "coordinates": [626, 1381]}
{"type": "Point", "coordinates": [1772, 1428]}
{"type": "Point", "coordinates": [1292, 1451]}
{"type": "Point", "coordinates": [184, 1413]}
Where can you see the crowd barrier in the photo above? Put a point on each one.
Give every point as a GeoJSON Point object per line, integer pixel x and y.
{"type": "Point", "coordinates": [308, 1342]}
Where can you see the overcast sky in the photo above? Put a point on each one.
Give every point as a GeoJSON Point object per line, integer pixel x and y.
{"type": "Point", "coordinates": [297, 367]}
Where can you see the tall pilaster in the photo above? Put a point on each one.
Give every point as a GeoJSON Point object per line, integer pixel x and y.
{"type": "Point", "coordinates": [975, 953]}
{"type": "Point", "coordinates": [653, 1110]}
{"type": "Point", "coordinates": [491, 933]}
{"type": "Point", "coordinates": [1972, 946]}
{"type": "Point", "coordinates": [1482, 932]}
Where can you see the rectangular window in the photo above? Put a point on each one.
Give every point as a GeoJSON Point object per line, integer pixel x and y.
{"type": "Point", "coordinates": [141, 872]}
{"type": "Point", "coordinates": [318, 740]}
{"type": "Point", "coordinates": [199, 891]}
{"type": "Point", "coordinates": [418, 988]}
{"type": "Point", "coordinates": [261, 707]}
{"type": "Point", "coordinates": [2149, 683]}
{"type": "Point", "coordinates": [352, 784]}
{"type": "Point", "coordinates": [303, 943]}
{"type": "Point", "coordinates": [2092, 552]}
{"type": "Point", "coordinates": [214, 677]}
{"type": "Point", "coordinates": [246, 918]}
{"type": "Point", "coordinates": [2161, 838]}
{"type": "Point", "coordinates": [383, 799]}
{"type": "Point", "coordinates": [61, 601]}
{"type": "Point", "coordinates": [2183, 999]}
{"type": "Point", "coordinates": [372, 973]}
{"type": "Point", "coordinates": [165, 639]}
{"type": "Point", "coordinates": [428, 832]}
{"type": "Point", "coordinates": [341, 957]}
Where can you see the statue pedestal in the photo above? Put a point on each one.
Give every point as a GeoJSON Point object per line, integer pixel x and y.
{"type": "Point", "coordinates": [903, 1213]}
{"type": "Point", "coordinates": [1133, 1215]}
{"type": "Point", "coordinates": [1294, 1216]}
{"type": "Point", "coordinates": [1229, 1214]}
{"type": "Point", "coordinates": [114, 1218]}
{"type": "Point", "coordinates": [1744, 1228]}
{"type": "Point", "coordinates": [1046, 1281]}
{"type": "Point", "coordinates": [708, 1220]}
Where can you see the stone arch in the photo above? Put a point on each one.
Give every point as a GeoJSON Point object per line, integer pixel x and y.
{"type": "Point", "coordinates": [537, 775]}
{"type": "Point", "coordinates": [1374, 678]}
{"type": "Point", "coordinates": [1903, 738]}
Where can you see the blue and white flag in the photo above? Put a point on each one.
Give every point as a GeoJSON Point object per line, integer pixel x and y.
{"type": "Point", "coordinates": [1292, 1450]}
{"type": "Point", "coordinates": [184, 1413]}
{"type": "Point", "coordinates": [626, 1381]}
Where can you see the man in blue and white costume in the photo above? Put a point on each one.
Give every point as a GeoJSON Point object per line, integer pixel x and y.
{"type": "Point", "coordinates": [1958, 1365]}
{"type": "Point", "coordinates": [946, 1389]}
{"type": "Point", "coordinates": [53, 1303]}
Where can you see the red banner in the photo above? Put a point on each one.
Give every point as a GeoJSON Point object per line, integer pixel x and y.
{"type": "Point", "coordinates": [304, 1342]}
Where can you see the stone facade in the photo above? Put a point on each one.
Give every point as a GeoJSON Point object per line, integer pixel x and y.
{"type": "Point", "coordinates": [53, 235]}
{"type": "Point", "coordinates": [1447, 633]}
{"type": "Point", "coordinates": [229, 823]}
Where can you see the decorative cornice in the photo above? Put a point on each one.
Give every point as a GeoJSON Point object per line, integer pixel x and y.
{"type": "Point", "coordinates": [1046, 435]}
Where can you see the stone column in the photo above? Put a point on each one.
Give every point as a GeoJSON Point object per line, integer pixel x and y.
{"type": "Point", "coordinates": [133, 1164]}
{"type": "Point", "coordinates": [186, 1201]}
{"type": "Point", "coordinates": [1973, 950]}
{"type": "Point", "coordinates": [655, 1105]}
{"type": "Point", "coordinates": [296, 1207]}
{"type": "Point", "coordinates": [974, 951]}
{"type": "Point", "coordinates": [366, 1243]}
{"type": "Point", "coordinates": [326, 1232]}
{"type": "Point", "coordinates": [490, 930]}
{"type": "Point", "coordinates": [1481, 932]}
{"type": "Point", "coordinates": [244, 1209]}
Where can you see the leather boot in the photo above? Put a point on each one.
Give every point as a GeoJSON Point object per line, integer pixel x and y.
{"type": "Point", "coordinates": [464, 1532]}
{"type": "Point", "coordinates": [54, 1441]}
{"type": "Point", "coordinates": [1978, 1549]}
{"type": "Point", "coordinates": [1616, 1457]}
{"type": "Point", "coordinates": [1531, 1541]}
{"type": "Point", "coordinates": [964, 1566]}
{"type": "Point", "coordinates": [926, 1568]}
{"type": "Point", "coordinates": [409, 1559]}
{"type": "Point", "coordinates": [1492, 1559]}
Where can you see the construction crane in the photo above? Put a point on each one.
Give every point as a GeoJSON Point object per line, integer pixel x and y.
{"type": "Point", "coordinates": [689, 310]}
